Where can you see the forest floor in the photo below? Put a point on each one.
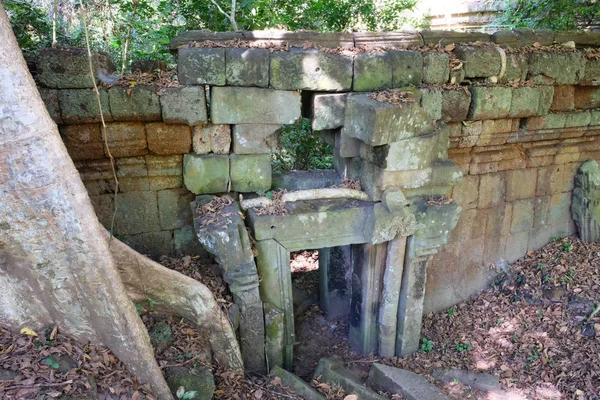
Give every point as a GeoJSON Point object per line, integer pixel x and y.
{"type": "Point", "coordinates": [535, 328]}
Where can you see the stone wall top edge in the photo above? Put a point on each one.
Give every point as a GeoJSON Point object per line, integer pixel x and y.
{"type": "Point", "coordinates": [403, 38]}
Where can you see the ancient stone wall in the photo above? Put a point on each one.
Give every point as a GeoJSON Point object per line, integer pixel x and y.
{"type": "Point", "coordinates": [498, 123]}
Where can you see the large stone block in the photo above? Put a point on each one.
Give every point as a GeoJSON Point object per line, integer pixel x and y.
{"type": "Point", "coordinates": [126, 139]}
{"type": "Point", "coordinates": [555, 179]}
{"type": "Point", "coordinates": [455, 105]}
{"type": "Point", "coordinates": [516, 68]}
{"type": "Point", "coordinates": [577, 119]}
{"type": "Point", "coordinates": [151, 244]}
{"type": "Point", "coordinates": [556, 68]}
{"type": "Point", "coordinates": [174, 208]}
{"type": "Point", "coordinates": [550, 121]}
{"type": "Point", "coordinates": [201, 66]}
{"type": "Point", "coordinates": [164, 172]}
{"type": "Point", "coordinates": [236, 105]}
{"type": "Point", "coordinates": [492, 190]}
{"type": "Point", "coordinates": [255, 138]}
{"type": "Point", "coordinates": [137, 212]}
{"type": "Point", "coordinates": [431, 101]}
{"type": "Point", "coordinates": [546, 96]}
{"type": "Point", "coordinates": [489, 102]}
{"type": "Point", "coordinates": [398, 381]}
{"type": "Point", "coordinates": [564, 98]}
{"type": "Point", "coordinates": [592, 72]}
{"type": "Point", "coordinates": [83, 142]}
{"type": "Point", "coordinates": [408, 154]}
{"type": "Point", "coordinates": [525, 102]}
{"type": "Point", "coordinates": [332, 370]}
{"type": "Point", "coordinates": [522, 216]}
{"type": "Point", "coordinates": [436, 67]}
{"type": "Point", "coordinates": [372, 71]}
{"type": "Point", "coordinates": [328, 111]}
{"type": "Point", "coordinates": [479, 61]}
{"type": "Point", "coordinates": [184, 105]}
{"type": "Point", "coordinates": [70, 69]}
{"type": "Point", "coordinates": [310, 69]}
{"type": "Point", "coordinates": [168, 139]}
{"type": "Point", "coordinates": [587, 97]}
{"type": "Point", "coordinates": [80, 106]}
{"type": "Point", "coordinates": [251, 173]}
{"type": "Point", "coordinates": [50, 99]}
{"type": "Point", "coordinates": [407, 68]}
{"type": "Point", "coordinates": [138, 104]}
{"type": "Point", "coordinates": [520, 184]}
{"type": "Point", "coordinates": [247, 67]}
{"type": "Point", "coordinates": [377, 123]}
{"type": "Point", "coordinates": [206, 174]}
{"type": "Point", "coordinates": [212, 139]}
{"type": "Point", "coordinates": [586, 201]}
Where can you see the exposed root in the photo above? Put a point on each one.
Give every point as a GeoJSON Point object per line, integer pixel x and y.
{"type": "Point", "coordinates": [177, 294]}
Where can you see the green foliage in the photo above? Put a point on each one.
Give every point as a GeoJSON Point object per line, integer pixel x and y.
{"type": "Point", "coordinates": [51, 363]}
{"type": "Point", "coordinates": [183, 395]}
{"type": "Point", "coordinates": [562, 15]}
{"type": "Point", "coordinates": [426, 345]}
{"type": "Point", "coordinates": [462, 347]}
{"type": "Point", "coordinates": [301, 148]}
{"type": "Point", "coordinates": [566, 246]}
{"type": "Point", "coordinates": [30, 24]}
{"type": "Point", "coordinates": [451, 312]}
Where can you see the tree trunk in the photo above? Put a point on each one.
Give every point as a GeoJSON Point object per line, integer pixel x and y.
{"type": "Point", "coordinates": [55, 263]}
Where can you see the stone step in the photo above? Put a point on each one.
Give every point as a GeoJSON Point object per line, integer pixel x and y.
{"type": "Point", "coordinates": [301, 388]}
{"type": "Point", "coordinates": [332, 371]}
{"type": "Point", "coordinates": [475, 380]}
{"type": "Point", "coordinates": [399, 381]}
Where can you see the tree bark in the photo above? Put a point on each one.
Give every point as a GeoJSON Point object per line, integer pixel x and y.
{"type": "Point", "coordinates": [56, 266]}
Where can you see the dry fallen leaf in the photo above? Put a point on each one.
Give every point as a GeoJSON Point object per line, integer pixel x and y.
{"type": "Point", "coordinates": [28, 332]}
{"type": "Point", "coordinates": [351, 397]}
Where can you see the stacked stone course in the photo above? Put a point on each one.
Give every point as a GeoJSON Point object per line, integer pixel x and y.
{"type": "Point", "coordinates": [498, 128]}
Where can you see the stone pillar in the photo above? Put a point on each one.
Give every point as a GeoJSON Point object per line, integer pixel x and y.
{"type": "Point", "coordinates": [335, 280]}
{"type": "Point", "coordinates": [273, 262]}
{"type": "Point", "coordinates": [388, 309]}
{"type": "Point", "coordinates": [585, 207]}
{"type": "Point", "coordinates": [367, 281]}
{"type": "Point", "coordinates": [225, 237]}
{"type": "Point", "coordinates": [435, 222]}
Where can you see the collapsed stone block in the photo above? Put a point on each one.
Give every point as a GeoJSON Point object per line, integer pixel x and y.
{"type": "Point", "coordinates": [184, 105]}
{"type": "Point", "coordinates": [377, 123]}
{"type": "Point", "coordinates": [436, 67]}
{"type": "Point", "coordinates": [138, 104]}
{"type": "Point", "coordinates": [247, 67]}
{"type": "Point", "coordinates": [206, 174]}
{"type": "Point", "coordinates": [70, 69]}
{"type": "Point", "coordinates": [212, 139]}
{"type": "Point", "coordinates": [201, 66]}
{"type": "Point", "coordinates": [328, 111]}
{"type": "Point", "coordinates": [479, 61]}
{"type": "Point", "coordinates": [410, 385]}
{"type": "Point", "coordinates": [50, 99]}
{"type": "Point", "coordinates": [408, 154]}
{"type": "Point", "coordinates": [332, 370]}
{"type": "Point", "coordinates": [310, 69]}
{"type": "Point", "coordinates": [251, 173]}
{"type": "Point", "coordinates": [168, 139]}
{"type": "Point", "coordinates": [255, 138]}
{"type": "Point", "coordinates": [126, 139]}
{"type": "Point", "coordinates": [372, 71]}
{"type": "Point", "coordinates": [489, 102]}
{"type": "Point", "coordinates": [407, 68]}
{"type": "Point", "coordinates": [80, 106]}
{"type": "Point", "coordinates": [556, 68]}
{"type": "Point", "coordinates": [83, 142]}
{"type": "Point", "coordinates": [237, 105]}
{"type": "Point", "coordinates": [335, 280]}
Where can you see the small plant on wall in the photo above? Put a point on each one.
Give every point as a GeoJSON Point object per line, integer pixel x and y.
{"type": "Point", "coordinates": [301, 148]}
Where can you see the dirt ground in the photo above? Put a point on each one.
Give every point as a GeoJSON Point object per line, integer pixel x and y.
{"type": "Point", "coordinates": [535, 328]}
